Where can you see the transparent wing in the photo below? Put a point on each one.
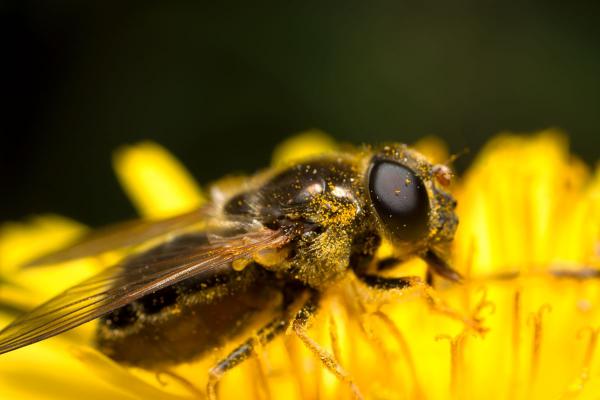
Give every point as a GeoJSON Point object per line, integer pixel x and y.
{"type": "Point", "coordinates": [130, 280]}
{"type": "Point", "coordinates": [123, 235]}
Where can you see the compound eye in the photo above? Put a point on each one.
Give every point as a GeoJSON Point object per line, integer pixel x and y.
{"type": "Point", "coordinates": [400, 198]}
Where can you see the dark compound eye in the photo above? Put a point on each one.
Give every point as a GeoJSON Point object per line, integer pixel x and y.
{"type": "Point", "coordinates": [400, 198]}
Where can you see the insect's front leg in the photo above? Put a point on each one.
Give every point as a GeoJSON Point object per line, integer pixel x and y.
{"type": "Point", "coordinates": [427, 292]}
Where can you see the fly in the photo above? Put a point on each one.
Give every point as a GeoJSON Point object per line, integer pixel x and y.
{"type": "Point", "coordinates": [271, 246]}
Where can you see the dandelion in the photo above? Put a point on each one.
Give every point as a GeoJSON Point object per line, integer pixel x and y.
{"type": "Point", "coordinates": [528, 245]}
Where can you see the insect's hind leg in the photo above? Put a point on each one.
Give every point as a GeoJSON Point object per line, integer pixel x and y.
{"type": "Point", "coordinates": [243, 352]}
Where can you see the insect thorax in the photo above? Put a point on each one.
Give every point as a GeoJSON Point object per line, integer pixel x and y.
{"type": "Point", "coordinates": [324, 200]}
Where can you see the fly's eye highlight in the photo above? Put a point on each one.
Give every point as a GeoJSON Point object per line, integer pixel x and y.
{"type": "Point", "coordinates": [400, 198]}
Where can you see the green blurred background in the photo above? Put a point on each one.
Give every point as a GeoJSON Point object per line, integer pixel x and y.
{"type": "Point", "coordinates": [221, 84]}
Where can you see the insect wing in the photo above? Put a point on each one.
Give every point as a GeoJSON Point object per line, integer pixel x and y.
{"type": "Point", "coordinates": [128, 281]}
{"type": "Point", "coordinates": [123, 235]}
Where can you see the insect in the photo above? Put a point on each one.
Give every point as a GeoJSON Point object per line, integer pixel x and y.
{"type": "Point", "coordinates": [271, 244]}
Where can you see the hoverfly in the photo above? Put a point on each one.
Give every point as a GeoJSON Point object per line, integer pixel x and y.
{"type": "Point", "coordinates": [193, 281]}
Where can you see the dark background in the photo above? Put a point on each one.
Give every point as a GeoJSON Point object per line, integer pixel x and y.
{"type": "Point", "coordinates": [221, 84]}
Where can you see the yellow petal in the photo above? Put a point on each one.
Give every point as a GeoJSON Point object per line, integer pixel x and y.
{"type": "Point", "coordinates": [515, 202]}
{"type": "Point", "coordinates": [46, 371]}
{"type": "Point", "coordinates": [157, 184]}
{"type": "Point", "coordinates": [433, 148]}
{"type": "Point", "coordinates": [119, 377]}
{"type": "Point", "coordinates": [24, 241]}
{"type": "Point", "coordinates": [302, 146]}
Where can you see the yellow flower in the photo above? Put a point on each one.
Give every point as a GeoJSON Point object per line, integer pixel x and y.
{"type": "Point", "coordinates": [528, 244]}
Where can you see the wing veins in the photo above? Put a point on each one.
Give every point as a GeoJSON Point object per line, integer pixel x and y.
{"type": "Point", "coordinates": [56, 316]}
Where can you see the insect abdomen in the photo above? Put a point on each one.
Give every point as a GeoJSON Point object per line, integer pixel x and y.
{"type": "Point", "coordinates": [181, 322]}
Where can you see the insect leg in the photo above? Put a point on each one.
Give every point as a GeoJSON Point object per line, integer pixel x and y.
{"type": "Point", "coordinates": [391, 262]}
{"type": "Point", "coordinates": [429, 294]}
{"type": "Point", "coordinates": [385, 283]}
{"type": "Point", "coordinates": [327, 359]}
{"type": "Point", "coordinates": [243, 351]}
